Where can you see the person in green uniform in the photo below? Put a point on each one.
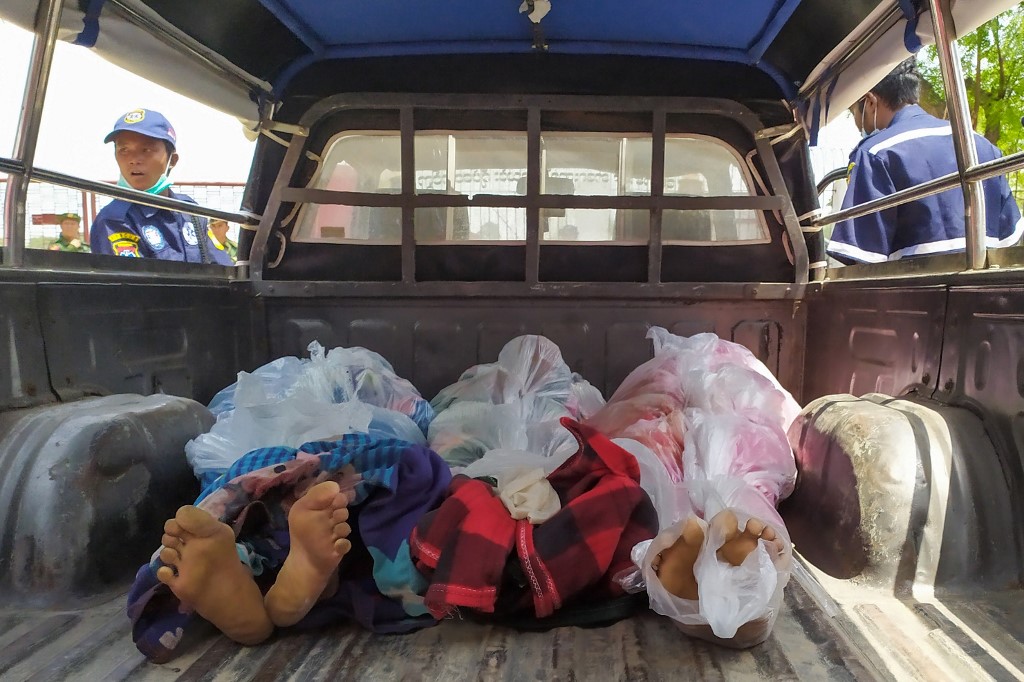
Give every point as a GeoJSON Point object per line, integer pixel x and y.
{"type": "Point", "coordinates": [70, 238]}
{"type": "Point", "coordinates": [219, 236]}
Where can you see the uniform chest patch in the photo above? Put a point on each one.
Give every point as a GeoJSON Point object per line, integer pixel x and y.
{"type": "Point", "coordinates": [126, 248]}
{"type": "Point", "coordinates": [154, 237]}
{"type": "Point", "coordinates": [188, 232]}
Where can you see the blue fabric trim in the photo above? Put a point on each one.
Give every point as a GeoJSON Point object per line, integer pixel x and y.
{"type": "Point", "coordinates": [910, 39]}
{"type": "Point", "coordinates": [772, 30]}
{"type": "Point", "coordinates": [822, 98]}
{"type": "Point", "coordinates": [90, 24]}
{"type": "Point", "coordinates": [815, 119]}
{"type": "Point", "coordinates": [283, 79]}
{"type": "Point", "coordinates": [828, 95]}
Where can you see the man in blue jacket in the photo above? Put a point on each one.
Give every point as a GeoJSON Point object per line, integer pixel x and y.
{"type": "Point", "coordinates": [145, 151]}
{"type": "Point", "coordinates": [904, 146]}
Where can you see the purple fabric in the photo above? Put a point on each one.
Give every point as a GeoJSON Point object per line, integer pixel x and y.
{"type": "Point", "coordinates": [395, 484]}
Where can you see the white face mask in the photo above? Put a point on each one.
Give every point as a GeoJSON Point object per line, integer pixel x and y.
{"type": "Point", "coordinates": [874, 122]}
{"type": "Point", "coordinates": [161, 185]}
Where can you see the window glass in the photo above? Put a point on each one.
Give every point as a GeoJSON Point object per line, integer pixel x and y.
{"type": "Point", "coordinates": [495, 163]}
{"type": "Point", "coordinates": [595, 225]}
{"type": "Point", "coordinates": [461, 223]}
{"type": "Point", "coordinates": [702, 167]}
{"type": "Point", "coordinates": [56, 218]}
{"type": "Point", "coordinates": [359, 162]}
{"type": "Point", "coordinates": [591, 165]}
{"type": "Point", "coordinates": [595, 165]}
{"type": "Point", "coordinates": [700, 226]}
{"type": "Point", "coordinates": [85, 97]}
{"type": "Point", "coordinates": [466, 163]}
{"type": "Point", "coordinates": [470, 164]}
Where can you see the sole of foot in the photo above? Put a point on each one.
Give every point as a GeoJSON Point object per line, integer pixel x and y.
{"type": "Point", "coordinates": [739, 543]}
{"type": "Point", "coordinates": [318, 528]}
{"type": "Point", "coordinates": [203, 570]}
{"type": "Point", "coordinates": [674, 564]}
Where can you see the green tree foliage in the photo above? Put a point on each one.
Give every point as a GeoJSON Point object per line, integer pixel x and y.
{"type": "Point", "coordinates": [992, 60]}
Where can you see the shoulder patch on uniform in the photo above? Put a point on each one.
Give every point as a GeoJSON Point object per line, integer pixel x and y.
{"type": "Point", "coordinates": [126, 248]}
{"type": "Point", "coordinates": [188, 232]}
{"type": "Point", "coordinates": [123, 237]}
{"type": "Point", "coordinates": [154, 237]}
{"type": "Point", "coordinates": [849, 170]}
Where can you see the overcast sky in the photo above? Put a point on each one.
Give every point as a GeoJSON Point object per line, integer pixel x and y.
{"type": "Point", "coordinates": [87, 95]}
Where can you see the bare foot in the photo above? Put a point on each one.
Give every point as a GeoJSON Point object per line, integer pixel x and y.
{"type": "Point", "coordinates": [317, 524]}
{"type": "Point", "coordinates": [739, 544]}
{"type": "Point", "coordinates": [674, 564]}
{"type": "Point", "coordinates": [204, 572]}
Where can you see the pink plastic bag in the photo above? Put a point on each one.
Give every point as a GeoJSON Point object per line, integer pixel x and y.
{"type": "Point", "coordinates": [716, 418]}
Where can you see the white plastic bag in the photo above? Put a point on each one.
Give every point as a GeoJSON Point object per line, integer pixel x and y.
{"type": "Point", "coordinates": [735, 457]}
{"type": "Point", "coordinates": [711, 352]}
{"type": "Point", "coordinates": [289, 422]}
{"type": "Point", "coordinates": [385, 423]}
{"type": "Point", "coordinates": [468, 430]}
{"type": "Point", "coordinates": [527, 366]}
{"type": "Point", "coordinates": [732, 446]}
{"type": "Point", "coordinates": [500, 462]}
{"type": "Point", "coordinates": [737, 605]}
{"type": "Point", "coordinates": [345, 374]}
{"type": "Point", "coordinates": [585, 400]}
{"type": "Point", "coordinates": [731, 596]}
{"type": "Point", "coordinates": [275, 379]}
{"type": "Point", "coordinates": [291, 401]}
{"type": "Point", "coordinates": [670, 499]}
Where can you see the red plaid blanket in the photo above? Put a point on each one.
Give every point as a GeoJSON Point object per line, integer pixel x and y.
{"type": "Point", "coordinates": [463, 547]}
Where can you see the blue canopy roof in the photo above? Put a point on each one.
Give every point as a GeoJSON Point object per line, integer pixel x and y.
{"type": "Point", "coordinates": [729, 30]}
{"type": "Point", "coordinates": [744, 25]}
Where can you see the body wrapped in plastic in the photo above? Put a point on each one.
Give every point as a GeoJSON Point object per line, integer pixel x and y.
{"type": "Point", "coordinates": [701, 372]}
{"type": "Point", "coordinates": [291, 401]}
{"type": "Point", "coordinates": [512, 404]}
{"type": "Point", "coordinates": [728, 416]}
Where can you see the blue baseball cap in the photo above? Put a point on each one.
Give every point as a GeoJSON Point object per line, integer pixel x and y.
{"type": "Point", "coordinates": [145, 122]}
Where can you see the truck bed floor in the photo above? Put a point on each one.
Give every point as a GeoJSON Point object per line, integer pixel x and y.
{"type": "Point", "coordinates": [814, 639]}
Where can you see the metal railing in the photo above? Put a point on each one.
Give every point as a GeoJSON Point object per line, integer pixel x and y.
{"type": "Point", "coordinates": [976, 173]}
{"type": "Point", "coordinates": [21, 167]}
{"type": "Point", "coordinates": [45, 198]}
{"type": "Point", "coordinates": [970, 172]}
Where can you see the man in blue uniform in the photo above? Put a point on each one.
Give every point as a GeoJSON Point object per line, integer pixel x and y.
{"type": "Point", "coordinates": [904, 146]}
{"type": "Point", "coordinates": [144, 148]}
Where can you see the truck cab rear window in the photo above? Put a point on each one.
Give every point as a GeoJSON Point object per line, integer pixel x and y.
{"type": "Point", "coordinates": [494, 163]}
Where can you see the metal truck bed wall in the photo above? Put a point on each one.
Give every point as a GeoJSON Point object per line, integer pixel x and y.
{"type": "Point", "coordinates": [68, 336]}
{"type": "Point", "coordinates": [432, 341]}
{"type": "Point", "coordinates": [960, 345]}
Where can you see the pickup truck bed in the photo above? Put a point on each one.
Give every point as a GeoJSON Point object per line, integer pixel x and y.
{"type": "Point", "coordinates": [829, 628]}
{"type": "Point", "coordinates": [868, 636]}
